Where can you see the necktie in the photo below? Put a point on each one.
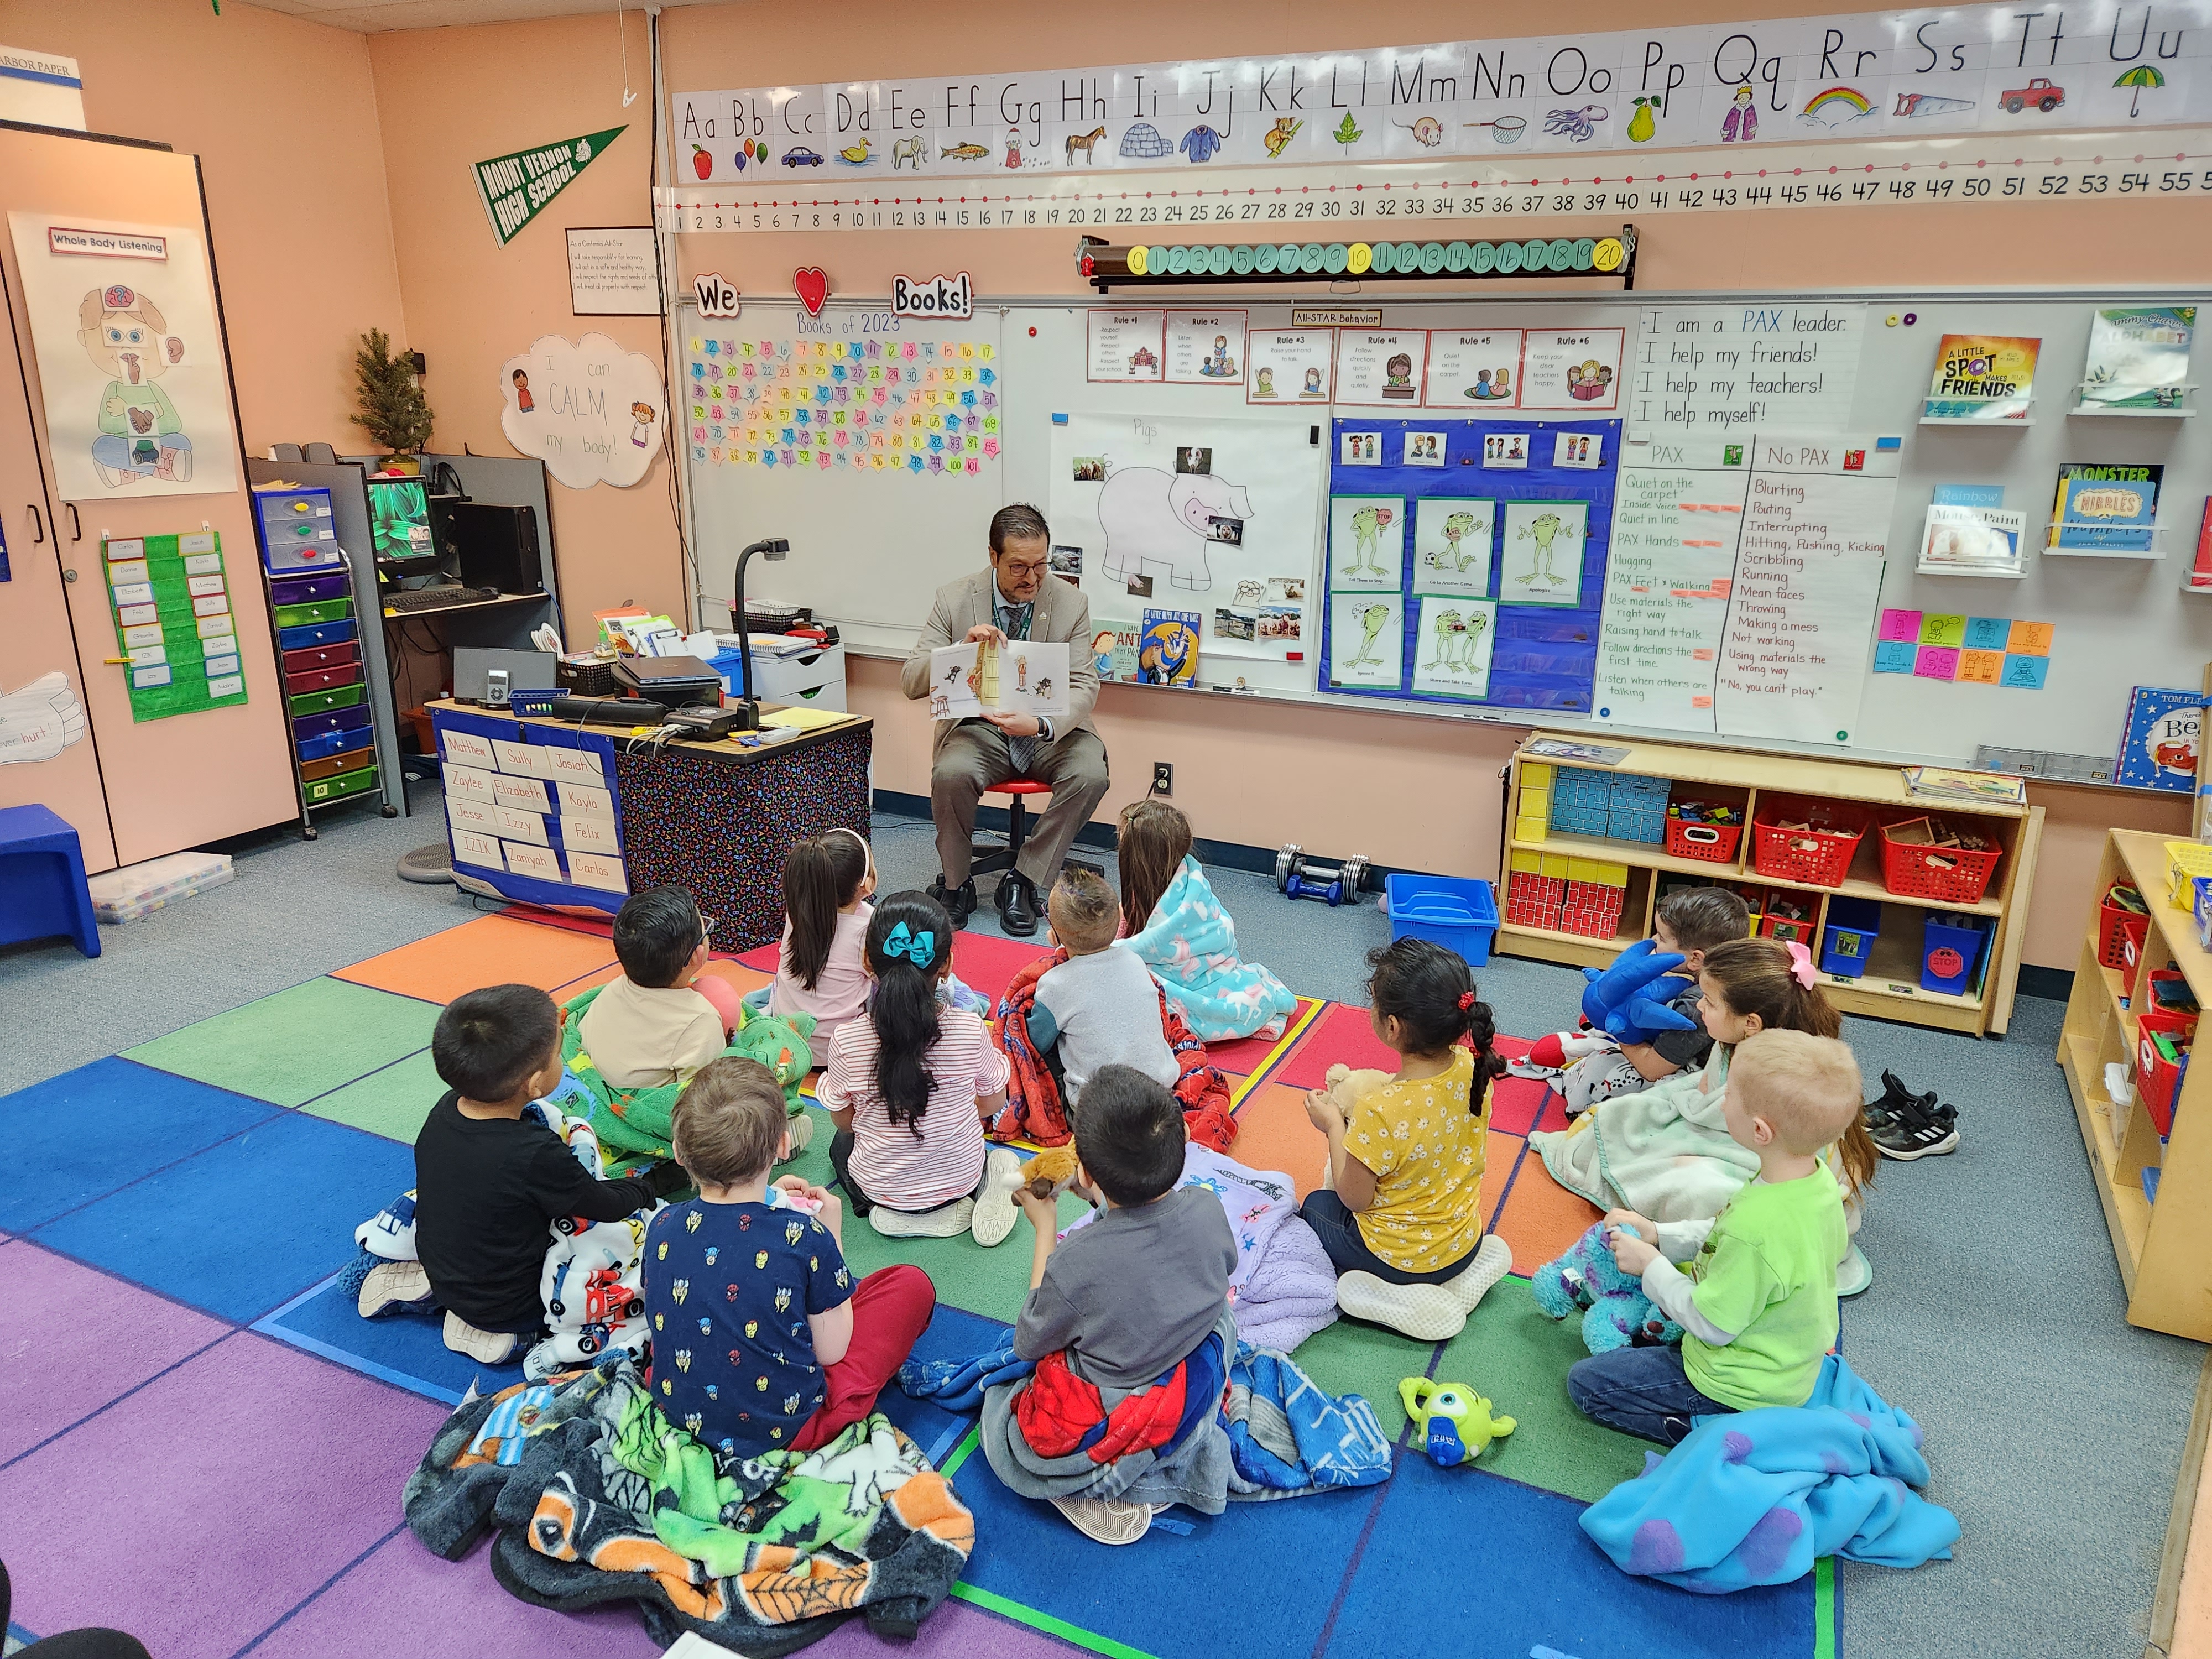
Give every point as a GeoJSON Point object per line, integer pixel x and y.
{"type": "Point", "coordinates": [1013, 622]}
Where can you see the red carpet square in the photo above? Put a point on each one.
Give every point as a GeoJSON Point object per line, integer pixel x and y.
{"type": "Point", "coordinates": [989, 964]}
{"type": "Point", "coordinates": [1245, 1056]}
{"type": "Point", "coordinates": [1342, 1036]}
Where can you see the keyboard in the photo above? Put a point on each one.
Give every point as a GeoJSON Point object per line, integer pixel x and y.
{"type": "Point", "coordinates": [438, 597]}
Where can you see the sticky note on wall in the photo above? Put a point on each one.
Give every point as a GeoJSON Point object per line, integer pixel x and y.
{"type": "Point", "coordinates": [2027, 673]}
{"type": "Point", "coordinates": [1939, 628]}
{"type": "Point", "coordinates": [1937, 662]}
{"type": "Point", "coordinates": [2031, 638]}
{"type": "Point", "coordinates": [1981, 667]}
{"type": "Point", "coordinates": [1894, 656]}
{"type": "Point", "coordinates": [1987, 633]}
{"type": "Point", "coordinates": [1900, 625]}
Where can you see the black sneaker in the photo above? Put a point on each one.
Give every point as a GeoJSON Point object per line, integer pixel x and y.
{"type": "Point", "coordinates": [1913, 1130]}
{"type": "Point", "coordinates": [959, 903]}
{"type": "Point", "coordinates": [1895, 1098]}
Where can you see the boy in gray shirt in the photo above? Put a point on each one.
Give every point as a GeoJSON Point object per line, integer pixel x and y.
{"type": "Point", "coordinates": [1100, 1006]}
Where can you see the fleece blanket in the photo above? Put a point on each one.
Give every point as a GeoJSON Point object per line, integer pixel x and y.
{"type": "Point", "coordinates": [1190, 944]}
{"type": "Point", "coordinates": [597, 1498]}
{"type": "Point", "coordinates": [1270, 1432]}
{"type": "Point", "coordinates": [1663, 1152]}
{"type": "Point", "coordinates": [1756, 1498]}
{"type": "Point", "coordinates": [1034, 1111]}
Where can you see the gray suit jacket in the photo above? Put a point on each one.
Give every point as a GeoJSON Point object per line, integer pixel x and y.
{"type": "Point", "coordinates": [1061, 613]}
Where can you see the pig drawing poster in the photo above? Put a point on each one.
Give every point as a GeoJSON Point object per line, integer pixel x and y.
{"type": "Point", "coordinates": [1195, 512]}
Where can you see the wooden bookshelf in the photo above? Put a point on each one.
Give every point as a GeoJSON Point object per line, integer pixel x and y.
{"type": "Point", "coordinates": [1890, 988]}
{"type": "Point", "coordinates": [2163, 1261]}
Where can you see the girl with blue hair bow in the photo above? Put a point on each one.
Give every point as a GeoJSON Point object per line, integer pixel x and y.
{"type": "Point", "coordinates": [909, 1087]}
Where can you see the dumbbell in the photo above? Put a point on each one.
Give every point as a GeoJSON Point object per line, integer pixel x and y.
{"type": "Point", "coordinates": [1298, 877]}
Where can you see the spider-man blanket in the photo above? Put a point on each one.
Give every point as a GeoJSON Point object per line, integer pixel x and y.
{"type": "Point", "coordinates": [1034, 1110]}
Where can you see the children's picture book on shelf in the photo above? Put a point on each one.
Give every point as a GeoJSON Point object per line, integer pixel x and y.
{"type": "Point", "coordinates": [1982, 377]}
{"type": "Point", "coordinates": [1022, 677]}
{"type": "Point", "coordinates": [2200, 567]}
{"type": "Point", "coordinates": [2138, 358]}
{"type": "Point", "coordinates": [1113, 648]}
{"type": "Point", "coordinates": [2158, 748]}
{"type": "Point", "coordinates": [1167, 648]}
{"type": "Point", "coordinates": [1581, 754]}
{"type": "Point", "coordinates": [2106, 509]}
{"type": "Point", "coordinates": [1980, 541]}
{"type": "Point", "coordinates": [1948, 783]}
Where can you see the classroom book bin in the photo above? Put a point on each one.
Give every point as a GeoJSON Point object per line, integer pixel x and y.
{"type": "Point", "coordinates": [2119, 933]}
{"type": "Point", "coordinates": [1920, 869]}
{"type": "Point", "coordinates": [1819, 855]}
{"type": "Point", "coordinates": [1453, 911]}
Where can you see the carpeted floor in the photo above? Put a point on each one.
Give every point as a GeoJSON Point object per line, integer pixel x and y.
{"type": "Point", "coordinates": [205, 1112]}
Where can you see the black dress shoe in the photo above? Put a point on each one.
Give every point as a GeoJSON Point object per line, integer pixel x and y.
{"type": "Point", "coordinates": [1017, 912]}
{"type": "Point", "coordinates": [959, 903]}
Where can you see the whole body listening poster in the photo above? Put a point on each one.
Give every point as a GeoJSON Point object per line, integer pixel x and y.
{"type": "Point", "coordinates": [130, 367]}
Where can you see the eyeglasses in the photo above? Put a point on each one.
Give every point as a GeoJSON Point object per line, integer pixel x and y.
{"type": "Point", "coordinates": [706, 928]}
{"type": "Point", "coordinates": [1020, 567]}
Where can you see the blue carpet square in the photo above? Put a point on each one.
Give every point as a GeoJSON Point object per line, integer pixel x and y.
{"type": "Point", "coordinates": [242, 1226]}
{"type": "Point", "coordinates": [1422, 1588]}
{"type": "Point", "coordinates": [79, 1136]}
{"type": "Point", "coordinates": [408, 1350]}
{"type": "Point", "coordinates": [953, 1333]}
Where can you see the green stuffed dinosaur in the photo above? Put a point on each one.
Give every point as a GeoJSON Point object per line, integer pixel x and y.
{"type": "Point", "coordinates": [633, 1125]}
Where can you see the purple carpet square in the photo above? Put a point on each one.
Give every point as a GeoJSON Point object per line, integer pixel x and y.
{"type": "Point", "coordinates": [202, 1509]}
{"type": "Point", "coordinates": [391, 1602]}
{"type": "Point", "coordinates": [955, 1630]}
{"type": "Point", "coordinates": [88, 1337]}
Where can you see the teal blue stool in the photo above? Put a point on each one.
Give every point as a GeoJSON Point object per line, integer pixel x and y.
{"type": "Point", "coordinates": [42, 886]}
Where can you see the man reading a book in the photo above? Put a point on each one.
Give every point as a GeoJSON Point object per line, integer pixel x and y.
{"type": "Point", "coordinates": [1015, 598]}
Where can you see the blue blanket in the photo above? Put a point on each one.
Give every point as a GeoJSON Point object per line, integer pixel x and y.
{"type": "Point", "coordinates": [1331, 1443]}
{"type": "Point", "coordinates": [1756, 1498]}
{"type": "Point", "coordinates": [1190, 944]}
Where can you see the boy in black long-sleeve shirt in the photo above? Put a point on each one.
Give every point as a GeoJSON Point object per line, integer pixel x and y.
{"type": "Point", "coordinates": [487, 1180]}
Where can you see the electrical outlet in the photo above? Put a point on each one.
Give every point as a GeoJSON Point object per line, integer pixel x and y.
{"type": "Point", "coordinates": [1164, 777]}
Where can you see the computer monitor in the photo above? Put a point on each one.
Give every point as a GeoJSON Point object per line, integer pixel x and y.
{"type": "Point", "coordinates": [399, 519]}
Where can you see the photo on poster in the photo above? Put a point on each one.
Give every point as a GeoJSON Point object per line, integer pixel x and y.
{"type": "Point", "coordinates": [1423, 449]}
{"type": "Point", "coordinates": [1581, 452]}
{"type": "Point", "coordinates": [1544, 542]}
{"type": "Point", "coordinates": [1366, 640]}
{"type": "Point", "coordinates": [1507, 450]}
{"type": "Point", "coordinates": [1480, 368]}
{"type": "Point", "coordinates": [1366, 542]}
{"type": "Point", "coordinates": [1452, 537]}
{"type": "Point", "coordinates": [1230, 624]}
{"type": "Point", "coordinates": [1281, 623]}
{"type": "Point", "coordinates": [1360, 449]}
{"type": "Point", "coordinates": [1090, 468]}
{"type": "Point", "coordinates": [1229, 533]}
{"type": "Point", "coordinates": [1286, 590]}
{"type": "Point", "coordinates": [1452, 646]}
{"type": "Point", "coordinates": [1066, 561]}
{"type": "Point", "coordinates": [1140, 587]}
{"type": "Point", "coordinates": [1192, 460]}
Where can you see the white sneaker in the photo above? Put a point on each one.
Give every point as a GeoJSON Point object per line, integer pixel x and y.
{"type": "Point", "coordinates": [1493, 1260]}
{"type": "Point", "coordinates": [488, 1347]}
{"type": "Point", "coordinates": [995, 1211]}
{"type": "Point", "coordinates": [1107, 1520]}
{"type": "Point", "coordinates": [949, 1221]}
{"type": "Point", "coordinates": [801, 1125]}
{"type": "Point", "coordinates": [1526, 1068]}
{"type": "Point", "coordinates": [1427, 1313]}
{"type": "Point", "coordinates": [393, 1287]}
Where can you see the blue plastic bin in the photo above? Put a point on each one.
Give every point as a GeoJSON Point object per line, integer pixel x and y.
{"type": "Point", "coordinates": [1847, 940]}
{"type": "Point", "coordinates": [1453, 911]}
{"type": "Point", "coordinates": [1964, 937]}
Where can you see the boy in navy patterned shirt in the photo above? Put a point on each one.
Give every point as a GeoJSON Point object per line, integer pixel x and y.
{"type": "Point", "coordinates": [761, 1340]}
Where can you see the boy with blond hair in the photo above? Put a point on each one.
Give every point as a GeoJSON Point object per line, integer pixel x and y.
{"type": "Point", "coordinates": [1100, 1006]}
{"type": "Point", "coordinates": [1757, 1299]}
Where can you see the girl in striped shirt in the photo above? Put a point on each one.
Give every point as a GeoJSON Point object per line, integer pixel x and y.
{"type": "Point", "coordinates": [908, 1085]}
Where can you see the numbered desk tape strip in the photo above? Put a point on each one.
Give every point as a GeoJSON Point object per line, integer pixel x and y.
{"type": "Point", "coordinates": [1389, 198]}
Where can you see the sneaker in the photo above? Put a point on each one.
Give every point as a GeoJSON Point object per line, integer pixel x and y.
{"type": "Point", "coordinates": [1895, 1098]}
{"type": "Point", "coordinates": [1854, 1273]}
{"type": "Point", "coordinates": [1107, 1520]}
{"type": "Point", "coordinates": [1427, 1313]}
{"type": "Point", "coordinates": [486, 1348]}
{"type": "Point", "coordinates": [995, 1211]}
{"type": "Point", "coordinates": [1912, 1130]}
{"type": "Point", "coordinates": [1529, 1068]}
{"type": "Point", "coordinates": [395, 1287]}
{"type": "Point", "coordinates": [1493, 1260]}
{"type": "Point", "coordinates": [947, 1221]}
{"type": "Point", "coordinates": [801, 1125]}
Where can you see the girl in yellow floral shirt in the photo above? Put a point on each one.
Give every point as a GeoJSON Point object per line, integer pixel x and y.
{"type": "Point", "coordinates": [1400, 1216]}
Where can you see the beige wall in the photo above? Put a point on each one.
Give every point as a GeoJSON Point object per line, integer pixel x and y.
{"type": "Point", "coordinates": [282, 115]}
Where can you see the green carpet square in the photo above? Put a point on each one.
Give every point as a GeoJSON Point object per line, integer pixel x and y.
{"type": "Point", "coordinates": [1351, 1358]}
{"type": "Point", "coordinates": [289, 1047]}
{"type": "Point", "coordinates": [392, 1103]}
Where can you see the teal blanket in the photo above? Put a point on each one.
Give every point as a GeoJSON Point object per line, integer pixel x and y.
{"type": "Point", "coordinates": [1190, 944]}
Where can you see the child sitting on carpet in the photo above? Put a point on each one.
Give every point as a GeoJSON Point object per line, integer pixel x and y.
{"type": "Point", "coordinates": [1100, 1006]}
{"type": "Point", "coordinates": [1688, 923]}
{"type": "Point", "coordinates": [488, 1182]}
{"type": "Point", "coordinates": [1400, 1209]}
{"type": "Point", "coordinates": [827, 881]}
{"type": "Point", "coordinates": [761, 1340]}
{"type": "Point", "coordinates": [1131, 1295]}
{"type": "Point", "coordinates": [905, 1086]}
{"type": "Point", "coordinates": [1756, 1303]}
{"type": "Point", "coordinates": [664, 1017]}
{"type": "Point", "coordinates": [1177, 925]}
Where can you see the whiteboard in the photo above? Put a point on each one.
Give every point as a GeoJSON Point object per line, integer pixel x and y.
{"type": "Point", "coordinates": [869, 558]}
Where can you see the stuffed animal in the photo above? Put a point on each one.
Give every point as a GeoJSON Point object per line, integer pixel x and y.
{"type": "Point", "coordinates": [1455, 1423]}
{"type": "Point", "coordinates": [1628, 1000]}
{"type": "Point", "coordinates": [1346, 1086]}
{"type": "Point", "coordinates": [1616, 1314]}
{"type": "Point", "coordinates": [1046, 1174]}
{"type": "Point", "coordinates": [779, 1043]}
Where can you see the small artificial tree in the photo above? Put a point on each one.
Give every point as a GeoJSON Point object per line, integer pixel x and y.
{"type": "Point", "coordinates": [393, 409]}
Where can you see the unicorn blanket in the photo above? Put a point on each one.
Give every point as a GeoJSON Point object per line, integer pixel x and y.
{"type": "Point", "coordinates": [1190, 944]}
{"type": "Point", "coordinates": [598, 1498]}
{"type": "Point", "coordinates": [1756, 1498]}
{"type": "Point", "coordinates": [1664, 1152]}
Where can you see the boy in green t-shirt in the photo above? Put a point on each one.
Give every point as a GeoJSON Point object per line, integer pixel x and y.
{"type": "Point", "coordinates": [1757, 1299]}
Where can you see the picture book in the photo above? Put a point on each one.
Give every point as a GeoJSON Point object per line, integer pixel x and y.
{"type": "Point", "coordinates": [2158, 748]}
{"type": "Point", "coordinates": [2200, 567]}
{"type": "Point", "coordinates": [2105, 509]}
{"type": "Point", "coordinates": [1113, 648]}
{"type": "Point", "coordinates": [1982, 377]}
{"type": "Point", "coordinates": [1022, 677]}
{"type": "Point", "coordinates": [1582, 754]}
{"type": "Point", "coordinates": [1167, 649]}
{"type": "Point", "coordinates": [2138, 358]}
{"type": "Point", "coordinates": [1981, 541]}
{"type": "Point", "coordinates": [1947, 783]}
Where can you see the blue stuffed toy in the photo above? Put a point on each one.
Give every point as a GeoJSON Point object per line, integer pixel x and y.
{"type": "Point", "coordinates": [1628, 1002]}
{"type": "Point", "coordinates": [1616, 1314]}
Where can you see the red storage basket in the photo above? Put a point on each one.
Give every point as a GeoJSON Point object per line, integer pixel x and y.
{"type": "Point", "coordinates": [2118, 927]}
{"type": "Point", "coordinates": [2156, 1079]}
{"type": "Point", "coordinates": [1820, 856]}
{"type": "Point", "coordinates": [1951, 874]}
{"type": "Point", "coordinates": [1713, 841]}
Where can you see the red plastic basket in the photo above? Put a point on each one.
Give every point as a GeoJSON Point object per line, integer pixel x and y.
{"type": "Point", "coordinates": [1713, 841]}
{"type": "Point", "coordinates": [1820, 856]}
{"type": "Point", "coordinates": [2117, 928]}
{"type": "Point", "coordinates": [1952, 874]}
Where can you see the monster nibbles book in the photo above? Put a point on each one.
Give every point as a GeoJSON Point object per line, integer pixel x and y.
{"type": "Point", "coordinates": [2106, 509]}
